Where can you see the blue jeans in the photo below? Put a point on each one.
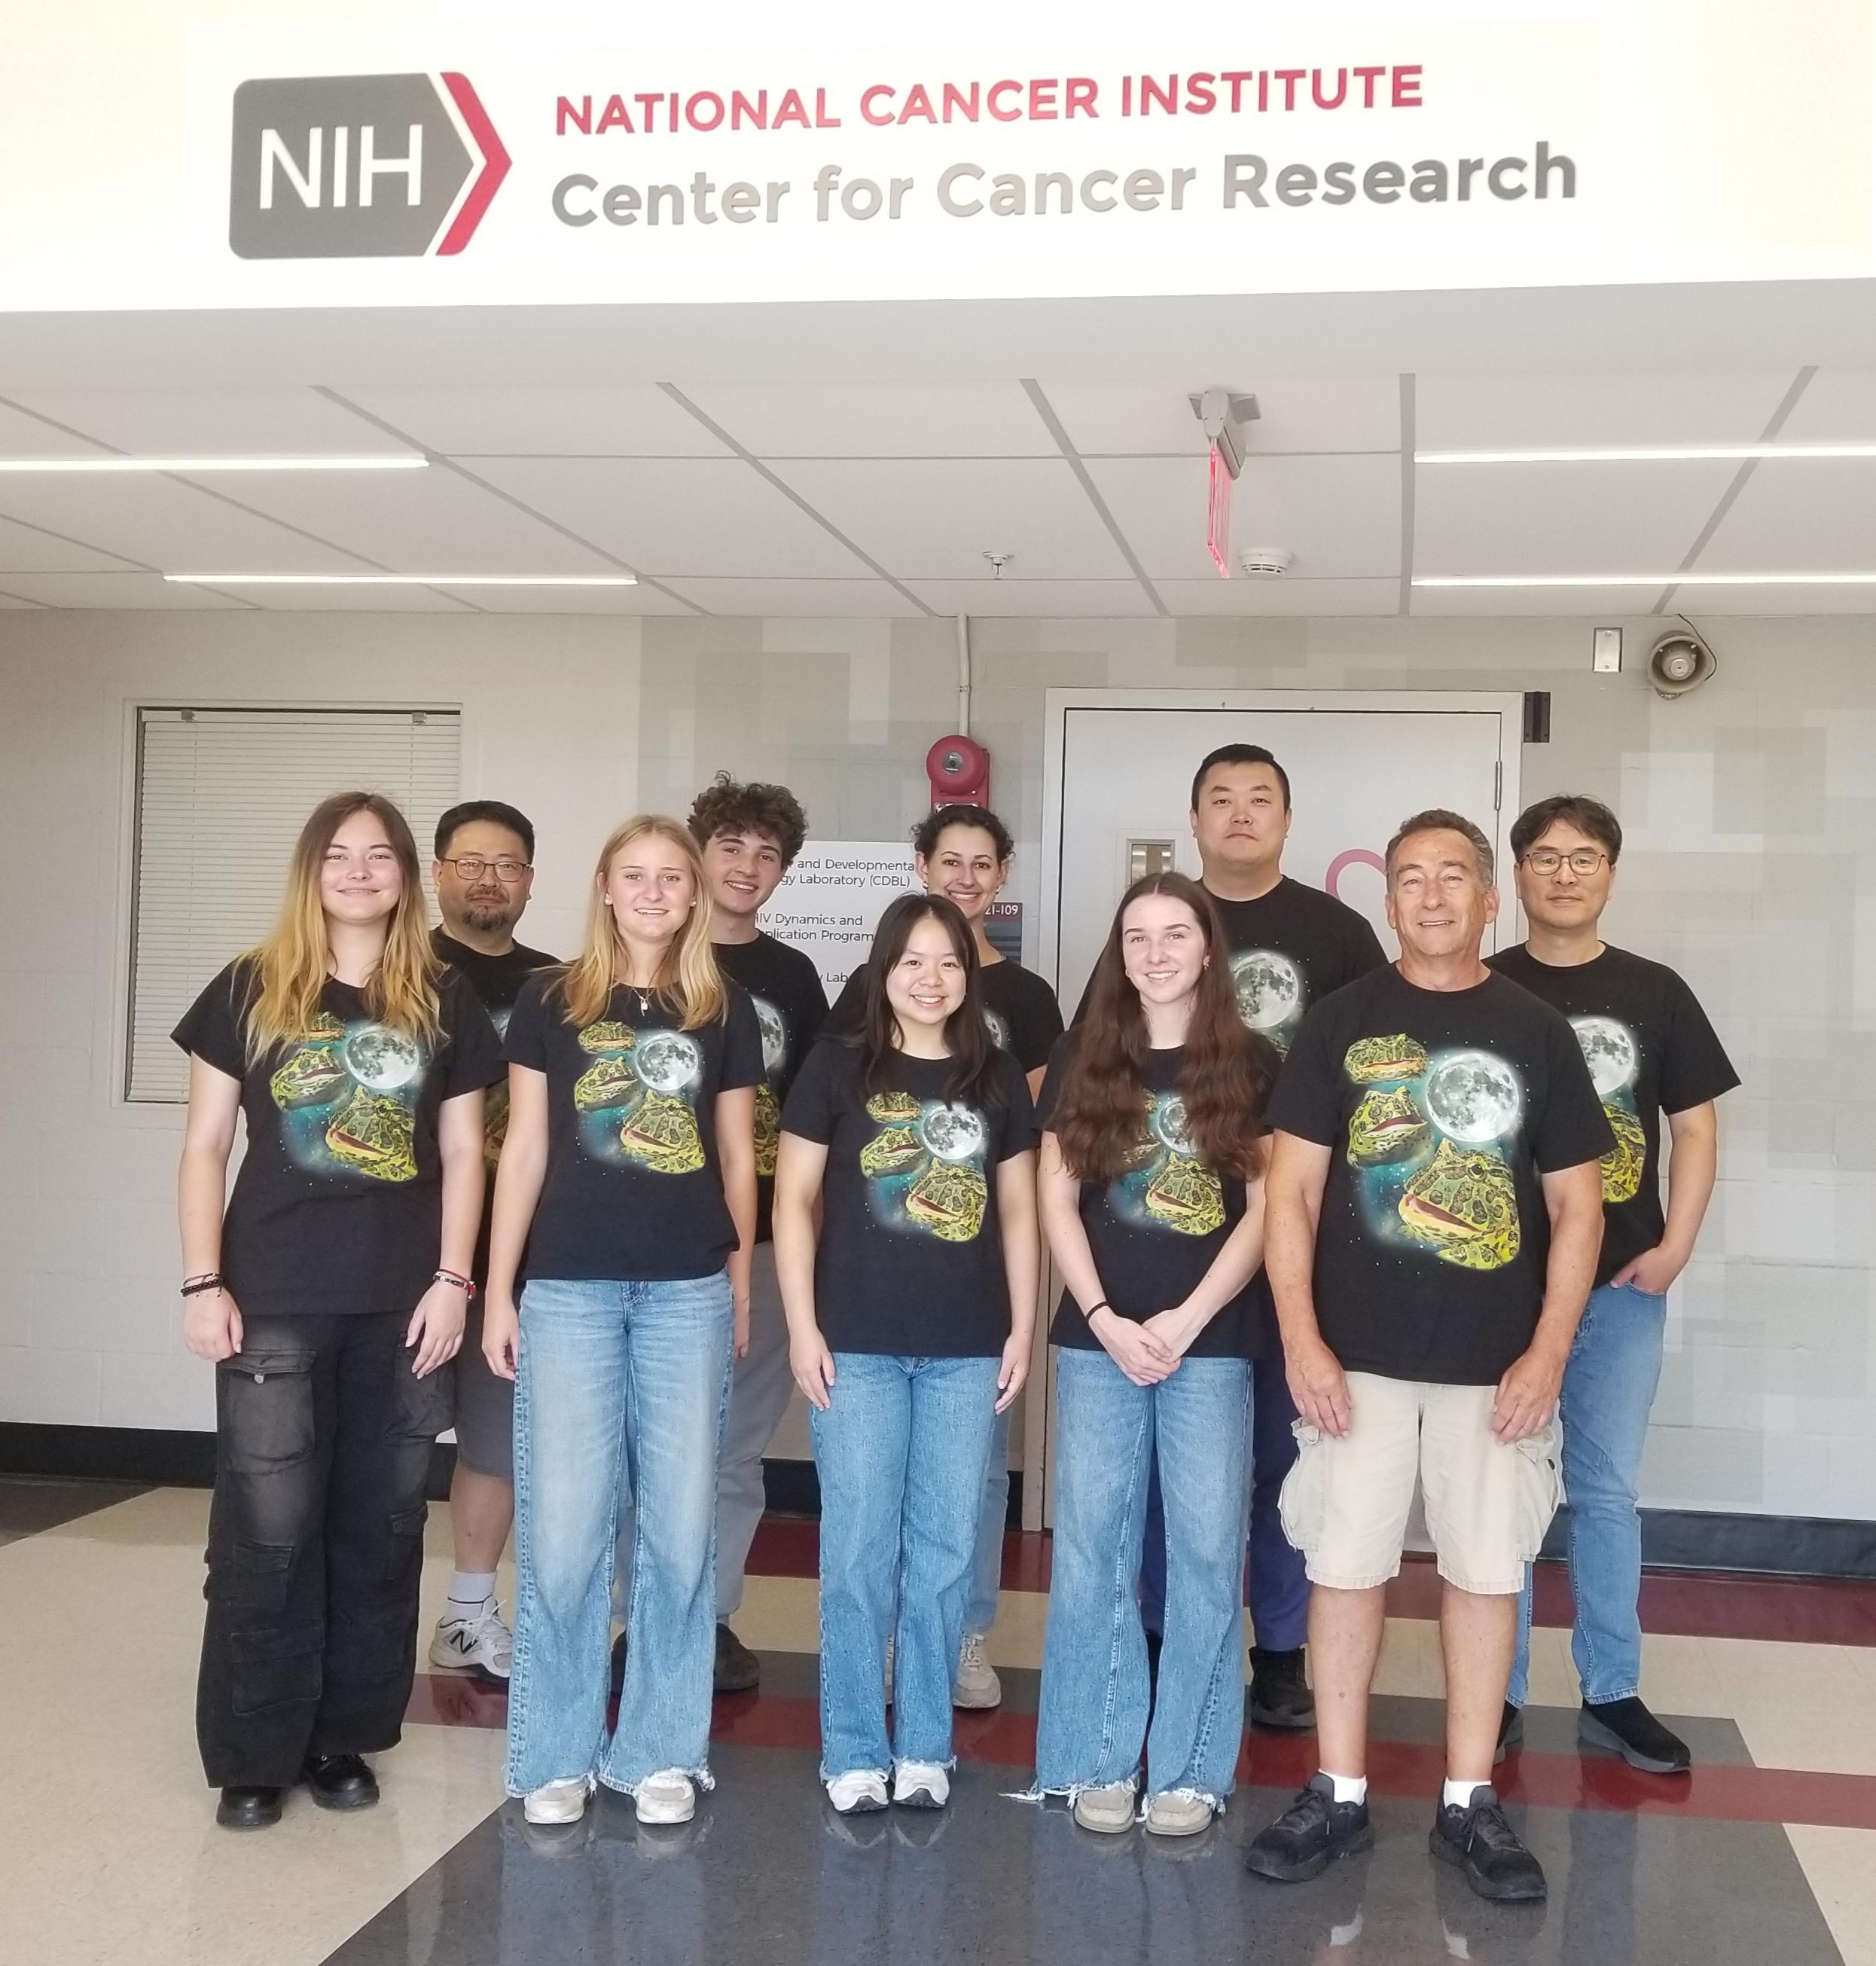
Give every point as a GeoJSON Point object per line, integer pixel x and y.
{"type": "Point", "coordinates": [1276, 1585]}
{"type": "Point", "coordinates": [617, 1380]}
{"type": "Point", "coordinates": [900, 1452]}
{"type": "Point", "coordinates": [1093, 1712]}
{"type": "Point", "coordinates": [986, 1566]}
{"type": "Point", "coordinates": [1608, 1388]}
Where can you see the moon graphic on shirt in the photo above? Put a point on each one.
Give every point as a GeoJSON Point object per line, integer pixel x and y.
{"type": "Point", "coordinates": [1170, 1123]}
{"type": "Point", "coordinates": [1269, 988]}
{"type": "Point", "coordinates": [998, 1031]}
{"type": "Point", "coordinates": [1473, 1097]}
{"type": "Point", "coordinates": [774, 1036]}
{"type": "Point", "coordinates": [952, 1132]}
{"type": "Point", "coordinates": [1609, 1050]}
{"type": "Point", "coordinates": [667, 1060]}
{"type": "Point", "coordinates": [380, 1060]}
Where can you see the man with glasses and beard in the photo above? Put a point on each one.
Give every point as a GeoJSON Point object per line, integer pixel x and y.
{"type": "Point", "coordinates": [484, 873]}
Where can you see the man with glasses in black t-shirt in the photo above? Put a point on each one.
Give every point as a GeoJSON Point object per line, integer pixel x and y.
{"type": "Point", "coordinates": [1650, 1050]}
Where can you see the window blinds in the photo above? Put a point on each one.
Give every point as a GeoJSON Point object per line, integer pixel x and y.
{"type": "Point", "coordinates": [221, 795]}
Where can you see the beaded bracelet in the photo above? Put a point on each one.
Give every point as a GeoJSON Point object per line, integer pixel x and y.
{"type": "Point", "coordinates": [209, 1280]}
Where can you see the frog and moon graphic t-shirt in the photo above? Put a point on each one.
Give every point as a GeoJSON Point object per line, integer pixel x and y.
{"type": "Point", "coordinates": [1157, 1228]}
{"type": "Point", "coordinates": [1441, 1109]}
{"type": "Point", "coordinates": [497, 980]}
{"type": "Point", "coordinates": [1018, 1006]}
{"type": "Point", "coordinates": [338, 1205]}
{"type": "Point", "coordinates": [633, 1189]}
{"type": "Point", "coordinates": [1650, 1050]}
{"type": "Point", "coordinates": [790, 1006]}
{"type": "Point", "coordinates": [910, 1261]}
{"type": "Point", "coordinates": [1290, 948]}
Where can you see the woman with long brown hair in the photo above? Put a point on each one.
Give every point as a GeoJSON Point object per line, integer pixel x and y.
{"type": "Point", "coordinates": [328, 1297]}
{"type": "Point", "coordinates": [628, 1176]}
{"type": "Point", "coordinates": [1151, 1196]}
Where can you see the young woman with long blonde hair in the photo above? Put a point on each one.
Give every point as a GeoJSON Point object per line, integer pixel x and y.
{"type": "Point", "coordinates": [629, 1178]}
{"type": "Point", "coordinates": [329, 1296]}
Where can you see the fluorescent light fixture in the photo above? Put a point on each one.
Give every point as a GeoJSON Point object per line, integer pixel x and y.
{"type": "Point", "coordinates": [1646, 580]}
{"type": "Point", "coordinates": [1646, 454]}
{"type": "Point", "coordinates": [397, 460]}
{"type": "Point", "coordinates": [405, 579]}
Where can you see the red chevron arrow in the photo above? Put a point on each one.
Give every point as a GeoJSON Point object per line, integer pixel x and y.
{"type": "Point", "coordinates": [495, 162]}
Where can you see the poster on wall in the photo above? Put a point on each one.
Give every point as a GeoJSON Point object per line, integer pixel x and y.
{"type": "Point", "coordinates": [831, 900]}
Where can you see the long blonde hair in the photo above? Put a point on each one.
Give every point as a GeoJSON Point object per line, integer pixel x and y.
{"type": "Point", "coordinates": [688, 974]}
{"type": "Point", "coordinates": [288, 972]}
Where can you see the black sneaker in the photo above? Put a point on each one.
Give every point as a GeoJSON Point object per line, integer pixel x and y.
{"type": "Point", "coordinates": [738, 1668]}
{"type": "Point", "coordinates": [1279, 1692]}
{"type": "Point", "coordinates": [1310, 1835]}
{"type": "Point", "coordinates": [341, 1781]}
{"type": "Point", "coordinates": [1510, 1732]}
{"type": "Point", "coordinates": [1479, 1841]}
{"type": "Point", "coordinates": [1627, 1728]}
{"type": "Point", "coordinates": [248, 1808]}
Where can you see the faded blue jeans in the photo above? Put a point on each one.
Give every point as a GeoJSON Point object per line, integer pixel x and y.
{"type": "Point", "coordinates": [1094, 1702]}
{"type": "Point", "coordinates": [1608, 1389]}
{"type": "Point", "coordinates": [900, 1451]}
{"type": "Point", "coordinates": [617, 1380]}
{"type": "Point", "coordinates": [986, 1565]}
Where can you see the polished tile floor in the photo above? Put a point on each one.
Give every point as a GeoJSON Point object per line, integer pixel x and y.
{"type": "Point", "coordinates": [108, 1850]}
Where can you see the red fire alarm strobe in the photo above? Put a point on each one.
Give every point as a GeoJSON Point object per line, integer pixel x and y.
{"type": "Point", "coordinates": [960, 772]}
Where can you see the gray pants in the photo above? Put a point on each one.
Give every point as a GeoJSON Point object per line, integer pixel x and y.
{"type": "Point", "coordinates": [758, 1397]}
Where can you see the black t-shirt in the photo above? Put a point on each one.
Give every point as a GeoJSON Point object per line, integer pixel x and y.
{"type": "Point", "coordinates": [633, 1191]}
{"type": "Point", "coordinates": [1650, 1050]}
{"type": "Point", "coordinates": [1018, 1006]}
{"type": "Point", "coordinates": [1155, 1230]}
{"type": "Point", "coordinates": [790, 1006]}
{"type": "Point", "coordinates": [338, 1206]}
{"type": "Point", "coordinates": [911, 1260]}
{"type": "Point", "coordinates": [1441, 1109]}
{"type": "Point", "coordinates": [497, 980]}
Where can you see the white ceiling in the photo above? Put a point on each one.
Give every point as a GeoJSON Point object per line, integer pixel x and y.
{"type": "Point", "coordinates": [813, 462]}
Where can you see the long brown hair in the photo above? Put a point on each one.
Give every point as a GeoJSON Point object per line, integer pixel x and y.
{"type": "Point", "coordinates": [289, 970]}
{"type": "Point", "coordinates": [687, 976]}
{"type": "Point", "coordinates": [972, 1075]}
{"type": "Point", "coordinates": [1224, 1077]}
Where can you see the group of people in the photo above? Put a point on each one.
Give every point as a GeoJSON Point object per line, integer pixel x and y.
{"type": "Point", "coordinates": [1327, 1226]}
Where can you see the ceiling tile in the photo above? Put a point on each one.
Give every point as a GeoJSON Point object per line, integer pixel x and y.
{"type": "Point", "coordinates": [24, 436]}
{"type": "Point", "coordinates": [695, 516]}
{"type": "Point", "coordinates": [1288, 596]}
{"type": "Point", "coordinates": [1568, 411]}
{"type": "Point", "coordinates": [149, 422]}
{"type": "Point", "coordinates": [643, 599]}
{"type": "Point", "coordinates": [26, 549]}
{"type": "Point", "coordinates": [1309, 413]}
{"type": "Point", "coordinates": [1814, 515]}
{"type": "Point", "coordinates": [878, 419]}
{"type": "Point", "coordinates": [1340, 517]}
{"type": "Point", "coordinates": [1561, 518]}
{"type": "Point", "coordinates": [135, 590]}
{"type": "Point", "coordinates": [1699, 602]}
{"type": "Point", "coordinates": [818, 598]}
{"type": "Point", "coordinates": [1607, 604]}
{"type": "Point", "coordinates": [353, 600]}
{"type": "Point", "coordinates": [1838, 406]}
{"type": "Point", "coordinates": [935, 518]}
{"type": "Point", "coordinates": [1082, 599]}
{"type": "Point", "coordinates": [15, 602]}
{"type": "Point", "coordinates": [639, 421]}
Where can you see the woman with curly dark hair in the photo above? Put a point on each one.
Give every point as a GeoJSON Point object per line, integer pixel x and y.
{"type": "Point", "coordinates": [1151, 1195]}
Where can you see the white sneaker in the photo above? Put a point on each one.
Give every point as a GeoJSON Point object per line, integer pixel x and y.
{"type": "Point", "coordinates": [563, 1801]}
{"type": "Point", "coordinates": [856, 1794]}
{"type": "Point", "coordinates": [976, 1685]}
{"type": "Point", "coordinates": [1178, 1811]}
{"type": "Point", "coordinates": [480, 1643]}
{"type": "Point", "coordinates": [920, 1785]}
{"type": "Point", "coordinates": [1107, 1810]}
{"type": "Point", "coordinates": [667, 1797]}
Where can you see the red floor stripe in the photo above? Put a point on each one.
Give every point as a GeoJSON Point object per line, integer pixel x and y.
{"type": "Point", "coordinates": [1714, 1793]}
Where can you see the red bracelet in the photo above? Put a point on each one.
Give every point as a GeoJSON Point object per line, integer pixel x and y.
{"type": "Point", "coordinates": [462, 1284]}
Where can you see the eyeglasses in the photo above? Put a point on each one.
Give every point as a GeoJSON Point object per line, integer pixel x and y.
{"type": "Point", "coordinates": [471, 867]}
{"type": "Point", "coordinates": [1546, 860]}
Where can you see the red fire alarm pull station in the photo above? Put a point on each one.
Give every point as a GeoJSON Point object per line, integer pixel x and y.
{"type": "Point", "coordinates": [959, 769]}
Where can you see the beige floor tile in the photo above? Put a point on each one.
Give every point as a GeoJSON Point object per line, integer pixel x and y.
{"type": "Point", "coordinates": [1410, 1663]}
{"type": "Point", "coordinates": [1840, 1866]}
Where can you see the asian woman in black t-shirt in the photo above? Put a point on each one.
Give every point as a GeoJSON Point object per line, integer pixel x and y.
{"type": "Point", "coordinates": [910, 1316]}
{"type": "Point", "coordinates": [628, 1176]}
{"type": "Point", "coordinates": [330, 1296]}
{"type": "Point", "coordinates": [1151, 1194]}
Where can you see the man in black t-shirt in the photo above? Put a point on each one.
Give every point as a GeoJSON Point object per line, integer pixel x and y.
{"type": "Point", "coordinates": [1649, 1049]}
{"type": "Point", "coordinates": [484, 873]}
{"type": "Point", "coordinates": [1432, 1211]}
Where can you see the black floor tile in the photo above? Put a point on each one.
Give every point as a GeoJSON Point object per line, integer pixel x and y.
{"type": "Point", "coordinates": [31, 1504]}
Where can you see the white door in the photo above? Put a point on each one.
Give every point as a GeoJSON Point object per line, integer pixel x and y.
{"type": "Point", "coordinates": [1117, 793]}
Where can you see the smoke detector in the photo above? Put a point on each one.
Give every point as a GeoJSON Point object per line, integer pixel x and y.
{"type": "Point", "coordinates": [1266, 563]}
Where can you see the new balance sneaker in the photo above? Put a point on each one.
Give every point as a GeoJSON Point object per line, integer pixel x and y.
{"type": "Point", "coordinates": [1510, 1732]}
{"type": "Point", "coordinates": [920, 1785]}
{"type": "Point", "coordinates": [477, 1641]}
{"type": "Point", "coordinates": [1627, 1728]}
{"type": "Point", "coordinates": [1280, 1691]}
{"type": "Point", "coordinates": [859, 1793]}
{"type": "Point", "coordinates": [563, 1801]}
{"type": "Point", "coordinates": [667, 1797]}
{"type": "Point", "coordinates": [738, 1668]}
{"type": "Point", "coordinates": [1310, 1835]}
{"type": "Point", "coordinates": [1178, 1811]}
{"type": "Point", "coordinates": [976, 1685]}
{"type": "Point", "coordinates": [1478, 1842]}
{"type": "Point", "coordinates": [1107, 1810]}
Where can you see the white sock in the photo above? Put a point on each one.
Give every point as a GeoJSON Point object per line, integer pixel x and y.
{"type": "Point", "coordinates": [1459, 1795]}
{"type": "Point", "coordinates": [470, 1590]}
{"type": "Point", "coordinates": [1349, 1788]}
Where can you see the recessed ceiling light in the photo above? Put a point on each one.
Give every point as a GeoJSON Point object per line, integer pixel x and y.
{"type": "Point", "coordinates": [406, 579]}
{"type": "Point", "coordinates": [402, 460]}
{"type": "Point", "coordinates": [1646, 580]}
{"type": "Point", "coordinates": [1646, 454]}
